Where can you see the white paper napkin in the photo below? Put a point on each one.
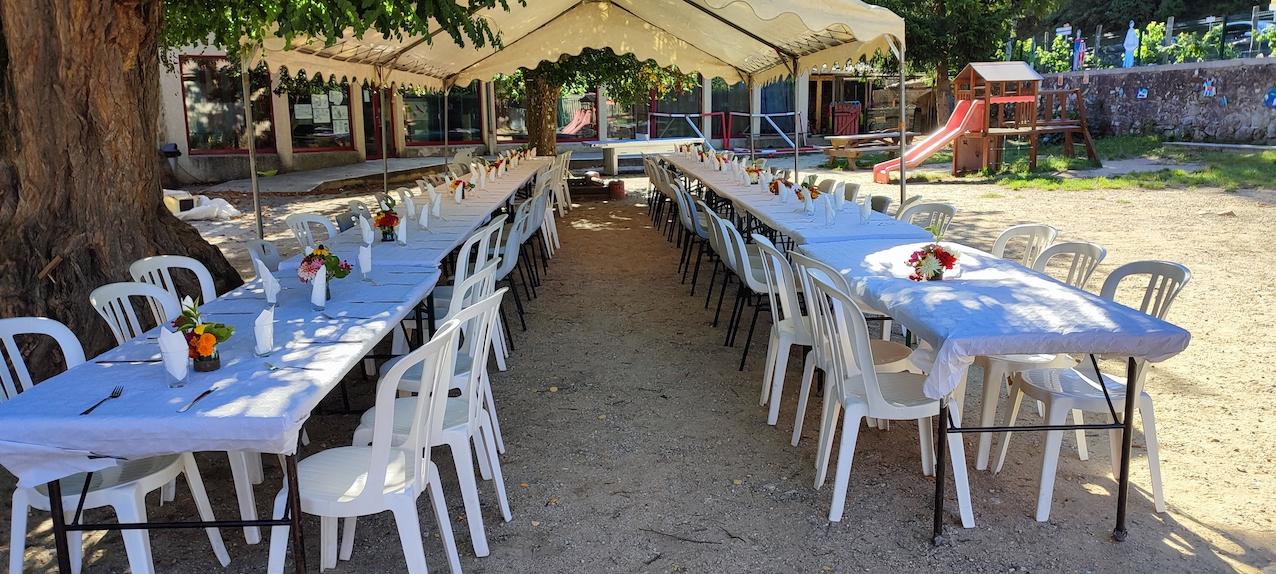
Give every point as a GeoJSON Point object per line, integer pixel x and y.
{"type": "Point", "coordinates": [173, 352]}
{"type": "Point", "coordinates": [424, 219]}
{"type": "Point", "coordinates": [365, 231]}
{"type": "Point", "coordinates": [458, 194]}
{"type": "Point", "coordinates": [866, 208]}
{"type": "Point", "coordinates": [269, 283]}
{"type": "Point", "coordinates": [264, 331]}
{"type": "Point", "coordinates": [365, 259]}
{"type": "Point", "coordinates": [402, 231]}
{"type": "Point", "coordinates": [436, 206]}
{"type": "Point", "coordinates": [830, 210]}
{"type": "Point", "coordinates": [319, 288]}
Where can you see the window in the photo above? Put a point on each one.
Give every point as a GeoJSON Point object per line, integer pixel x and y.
{"type": "Point", "coordinates": [215, 110]}
{"type": "Point", "coordinates": [627, 122]}
{"type": "Point", "coordinates": [423, 116]}
{"type": "Point", "coordinates": [321, 119]}
{"type": "Point", "coordinates": [726, 99]}
{"type": "Point", "coordinates": [777, 97]}
{"type": "Point", "coordinates": [577, 117]}
{"type": "Point", "coordinates": [683, 102]}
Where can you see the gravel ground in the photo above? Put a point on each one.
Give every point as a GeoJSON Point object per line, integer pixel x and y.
{"type": "Point", "coordinates": [636, 445]}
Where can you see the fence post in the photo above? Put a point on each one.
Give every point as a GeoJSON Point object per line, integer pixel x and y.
{"type": "Point", "coordinates": [1098, 37]}
{"type": "Point", "coordinates": [1222, 39]}
{"type": "Point", "coordinates": [1253, 30]}
{"type": "Point", "coordinates": [1169, 39]}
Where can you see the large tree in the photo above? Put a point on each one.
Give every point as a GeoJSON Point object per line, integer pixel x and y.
{"type": "Point", "coordinates": [945, 35]}
{"type": "Point", "coordinates": [627, 81]}
{"type": "Point", "coordinates": [79, 90]}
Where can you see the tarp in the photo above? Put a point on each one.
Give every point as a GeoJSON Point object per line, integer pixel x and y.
{"type": "Point", "coordinates": [731, 39]}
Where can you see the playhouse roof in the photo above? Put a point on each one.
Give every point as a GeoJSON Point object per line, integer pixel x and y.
{"type": "Point", "coordinates": [1004, 71]}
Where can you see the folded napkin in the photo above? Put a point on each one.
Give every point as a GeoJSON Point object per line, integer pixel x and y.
{"type": "Point", "coordinates": [268, 282]}
{"type": "Point", "coordinates": [866, 208]}
{"type": "Point", "coordinates": [264, 331]}
{"type": "Point", "coordinates": [401, 231]}
{"type": "Point", "coordinates": [319, 288]}
{"type": "Point", "coordinates": [174, 352]}
{"type": "Point", "coordinates": [830, 209]}
{"type": "Point", "coordinates": [424, 219]}
{"type": "Point", "coordinates": [436, 206]}
{"type": "Point", "coordinates": [365, 259]}
{"type": "Point", "coordinates": [409, 206]}
{"type": "Point", "coordinates": [482, 175]}
{"type": "Point", "coordinates": [365, 230]}
{"type": "Point", "coordinates": [459, 194]}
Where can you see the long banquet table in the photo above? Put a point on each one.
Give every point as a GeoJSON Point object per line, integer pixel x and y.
{"type": "Point", "coordinates": [260, 403]}
{"type": "Point", "coordinates": [786, 218]}
{"type": "Point", "coordinates": [992, 306]}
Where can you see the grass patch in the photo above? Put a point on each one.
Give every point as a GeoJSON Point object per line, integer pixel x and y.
{"type": "Point", "coordinates": [991, 195]}
{"type": "Point", "coordinates": [868, 160]}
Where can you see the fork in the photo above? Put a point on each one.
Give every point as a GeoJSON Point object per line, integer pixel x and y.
{"type": "Point", "coordinates": [115, 394]}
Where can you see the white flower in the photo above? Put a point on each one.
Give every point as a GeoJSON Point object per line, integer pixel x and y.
{"type": "Point", "coordinates": [929, 266]}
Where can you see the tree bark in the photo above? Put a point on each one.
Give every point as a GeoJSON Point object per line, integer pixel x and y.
{"type": "Point", "coordinates": [542, 113]}
{"type": "Point", "coordinates": [80, 191]}
{"type": "Point", "coordinates": [943, 91]}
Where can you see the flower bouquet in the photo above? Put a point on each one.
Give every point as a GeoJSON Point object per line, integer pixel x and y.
{"type": "Point", "coordinates": [808, 186]}
{"type": "Point", "coordinates": [201, 338]}
{"type": "Point", "coordinates": [335, 267]}
{"type": "Point", "coordinates": [755, 172]}
{"type": "Point", "coordinates": [387, 220]}
{"type": "Point", "coordinates": [774, 187]}
{"type": "Point", "coordinates": [460, 185]}
{"type": "Point", "coordinates": [930, 262]}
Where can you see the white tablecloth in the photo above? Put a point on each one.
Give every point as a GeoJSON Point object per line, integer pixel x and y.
{"type": "Point", "coordinates": [992, 306]}
{"type": "Point", "coordinates": [786, 217]}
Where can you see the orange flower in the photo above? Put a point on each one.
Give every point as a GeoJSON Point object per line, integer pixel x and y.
{"type": "Point", "coordinates": [205, 345]}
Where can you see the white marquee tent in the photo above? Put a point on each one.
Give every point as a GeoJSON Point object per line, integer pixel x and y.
{"type": "Point", "coordinates": [737, 40]}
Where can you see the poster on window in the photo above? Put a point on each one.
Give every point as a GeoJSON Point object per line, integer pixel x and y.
{"type": "Point", "coordinates": [340, 112]}
{"type": "Point", "coordinates": [319, 100]}
{"type": "Point", "coordinates": [340, 127]}
{"type": "Point", "coordinates": [322, 115]}
{"type": "Point", "coordinates": [336, 97]}
{"type": "Point", "coordinates": [302, 112]}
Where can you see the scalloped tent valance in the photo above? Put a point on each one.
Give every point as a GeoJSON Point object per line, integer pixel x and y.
{"type": "Point", "coordinates": [731, 39]}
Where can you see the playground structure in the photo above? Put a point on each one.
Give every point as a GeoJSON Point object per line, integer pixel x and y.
{"type": "Point", "coordinates": [998, 101]}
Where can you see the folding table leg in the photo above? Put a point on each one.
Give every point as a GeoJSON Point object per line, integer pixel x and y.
{"type": "Point", "coordinates": [294, 511]}
{"type": "Point", "coordinates": [59, 527]}
{"type": "Point", "coordinates": [1127, 434]}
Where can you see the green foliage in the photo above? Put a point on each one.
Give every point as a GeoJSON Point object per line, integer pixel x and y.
{"type": "Point", "coordinates": [627, 79]}
{"type": "Point", "coordinates": [1192, 47]}
{"type": "Point", "coordinates": [233, 24]}
{"type": "Point", "coordinates": [948, 34]}
{"type": "Point", "coordinates": [1150, 48]}
{"type": "Point", "coordinates": [1058, 58]}
{"type": "Point", "coordinates": [300, 84]}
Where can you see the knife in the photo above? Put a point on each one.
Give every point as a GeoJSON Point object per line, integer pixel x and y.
{"type": "Point", "coordinates": [197, 398]}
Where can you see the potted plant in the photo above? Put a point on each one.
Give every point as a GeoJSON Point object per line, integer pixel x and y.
{"type": "Point", "coordinates": [387, 220]}
{"type": "Point", "coordinates": [202, 337]}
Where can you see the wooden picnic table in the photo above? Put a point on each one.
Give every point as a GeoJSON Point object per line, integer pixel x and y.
{"type": "Point", "coordinates": [850, 147]}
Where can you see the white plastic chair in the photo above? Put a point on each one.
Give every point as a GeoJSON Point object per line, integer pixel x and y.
{"type": "Point", "coordinates": [862, 393]}
{"type": "Point", "coordinates": [788, 326]}
{"type": "Point", "coordinates": [1036, 237]}
{"type": "Point", "coordinates": [389, 472]}
{"type": "Point", "coordinates": [1065, 390]}
{"type": "Point", "coordinates": [888, 356]}
{"type": "Point", "coordinates": [157, 271]}
{"type": "Point", "coordinates": [113, 302]}
{"type": "Point", "coordinates": [1080, 260]}
{"type": "Point", "coordinates": [266, 252]}
{"type": "Point", "coordinates": [122, 487]}
{"type": "Point", "coordinates": [360, 209]}
{"type": "Point", "coordinates": [303, 226]}
{"type": "Point", "coordinates": [929, 215]}
{"type": "Point", "coordinates": [851, 192]}
{"type": "Point", "coordinates": [466, 422]}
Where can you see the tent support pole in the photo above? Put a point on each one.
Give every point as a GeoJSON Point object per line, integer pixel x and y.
{"type": "Point", "coordinates": [446, 88]}
{"type": "Point", "coordinates": [753, 152]}
{"type": "Point", "coordinates": [796, 120]}
{"type": "Point", "coordinates": [251, 133]}
{"type": "Point", "coordinates": [385, 154]}
{"type": "Point", "coordinates": [903, 135]}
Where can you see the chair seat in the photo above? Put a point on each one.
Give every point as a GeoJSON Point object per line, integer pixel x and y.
{"type": "Point", "coordinates": [456, 414]}
{"type": "Point", "coordinates": [1015, 363]}
{"type": "Point", "coordinates": [900, 390]}
{"type": "Point", "coordinates": [339, 475]}
{"type": "Point", "coordinates": [126, 474]}
{"type": "Point", "coordinates": [411, 380]}
{"type": "Point", "coordinates": [889, 356]}
{"type": "Point", "coordinates": [1079, 387]}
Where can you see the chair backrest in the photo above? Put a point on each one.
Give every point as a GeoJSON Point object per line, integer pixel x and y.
{"type": "Point", "coordinates": [839, 320]}
{"type": "Point", "coordinates": [782, 290]}
{"type": "Point", "coordinates": [540, 204]}
{"type": "Point", "coordinates": [1165, 280]}
{"type": "Point", "coordinates": [851, 192]}
{"type": "Point", "coordinates": [303, 224]}
{"type": "Point", "coordinates": [437, 359]}
{"type": "Point", "coordinates": [113, 303]}
{"type": "Point", "coordinates": [1079, 259]}
{"type": "Point", "coordinates": [14, 375]}
{"type": "Point", "coordinates": [265, 252]}
{"type": "Point", "coordinates": [826, 186]}
{"type": "Point", "coordinates": [879, 203]}
{"type": "Point", "coordinates": [476, 287]}
{"type": "Point", "coordinates": [360, 209]}
{"type": "Point", "coordinates": [157, 271]}
{"type": "Point", "coordinates": [713, 232]}
{"type": "Point", "coordinates": [346, 220]}
{"type": "Point", "coordinates": [740, 255]}
{"type": "Point", "coordinates": [478, 325]}
{"type": "Point", "coordinates": [929, 215]}
{"type": "Point", "coordinates": [517, 231]}
{"type": "Point", "coordinates": [908, 202]}
{"type": "Point", "coordinates": [806, 268]}
{"type": "Point", "coordinates": [478, 248]}
{"type": "Point", "coordinates": [1036, 236]}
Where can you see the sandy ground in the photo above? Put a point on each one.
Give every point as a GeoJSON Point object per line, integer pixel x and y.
{"type": "Point", "coordinates": [636, 446]}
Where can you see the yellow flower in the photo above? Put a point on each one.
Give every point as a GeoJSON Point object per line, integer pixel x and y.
{"type": "Point", "coordinates": [199, 329]}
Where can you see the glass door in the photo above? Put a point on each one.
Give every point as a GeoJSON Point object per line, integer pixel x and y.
{"type": "Point", "coordinates": [372, 119]}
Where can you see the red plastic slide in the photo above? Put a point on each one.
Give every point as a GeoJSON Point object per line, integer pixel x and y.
{"type": "Point", "coordinates": [968, 116]}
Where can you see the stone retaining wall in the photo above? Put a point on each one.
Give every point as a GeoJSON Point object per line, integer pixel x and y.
{"type": "Point", "coordinates": [1176, 107]}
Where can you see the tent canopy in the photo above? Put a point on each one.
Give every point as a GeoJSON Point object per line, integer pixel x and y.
{"type": "Point", "coordinates": [731, 39]}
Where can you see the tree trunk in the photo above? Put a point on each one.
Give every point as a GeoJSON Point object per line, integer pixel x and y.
{"type": "Point", "coordinates": [542, 113]}
{"type": "Point", "coordinates": [943, 91]}
{"type": "Point", "coordinates": [79, 186]}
